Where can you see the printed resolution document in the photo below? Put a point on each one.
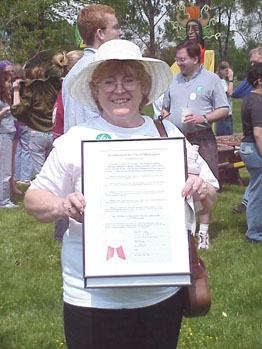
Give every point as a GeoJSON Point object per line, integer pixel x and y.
{"type": "Point", "coordinates": [134, 231]}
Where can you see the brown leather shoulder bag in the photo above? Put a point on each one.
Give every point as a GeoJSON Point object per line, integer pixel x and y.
{"type": "Point", "coordinates": [197, 298]}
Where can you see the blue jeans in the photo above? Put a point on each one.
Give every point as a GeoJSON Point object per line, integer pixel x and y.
{"type": "Point", "coordinates": [6, 147]}
{"type": "Point", "coordinates": [23, 163]}
{"type": "Point", "coordinates": [253, 162]}
{"type": "Point", "coordinates": [40, 144]}
{"type": "Point", "coordinates": [224, 126]}
{"type": "Point", "coordinates": [245, 196]}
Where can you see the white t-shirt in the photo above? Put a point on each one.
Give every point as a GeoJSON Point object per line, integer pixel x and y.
{"type": "Point", "coordinates": [225, 85]}
{"type": "Point", "coordinates": [61, 174]}
{"type": "Point", "coordinates": [157, 106]}
{"type": "Point", "coordinates": [74, 112]}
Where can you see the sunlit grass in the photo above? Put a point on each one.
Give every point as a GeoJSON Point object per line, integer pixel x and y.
{"type": "Point", "coordinates": [235, 281]}
{"type": "Point", "coordinates": [31, 283]}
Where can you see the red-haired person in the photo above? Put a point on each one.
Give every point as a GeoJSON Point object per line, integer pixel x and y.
{"type": "Point", "coordinates": [97, 24]}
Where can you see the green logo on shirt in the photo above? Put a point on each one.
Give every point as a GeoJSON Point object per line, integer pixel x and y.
{"type": "Point", "coordinates": [103, 136]}
{"type": "Point", "coordinates": [199, 88]}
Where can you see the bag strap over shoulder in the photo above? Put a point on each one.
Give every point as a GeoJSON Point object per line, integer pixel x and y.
{"type": "Point", "coordinates": [197, 299]}
{"type": "Point", "coordinates": [160, 127]}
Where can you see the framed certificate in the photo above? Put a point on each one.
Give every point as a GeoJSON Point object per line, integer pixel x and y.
{"type": "Point", "coordinates": [134, 225]}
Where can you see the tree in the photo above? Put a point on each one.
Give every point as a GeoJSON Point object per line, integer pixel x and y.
{"type": "Point", "coordinates": [29, 28]}
{"type": "Point", "coordinates": [150, 22]}
{"type": "Point", "coordinates": [241, 18]}
{"type": "Point", "coordinates": [250, 23]}
{"type": "Point", "coordinates": [34, 30]}
{"type": "Point", "coordinates": [224, 11]}
{"type": "Point", "coordinates": [144, 21]}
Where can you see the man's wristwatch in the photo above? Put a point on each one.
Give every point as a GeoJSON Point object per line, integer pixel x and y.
{"type": "Point", "coordinates": [206, 122]}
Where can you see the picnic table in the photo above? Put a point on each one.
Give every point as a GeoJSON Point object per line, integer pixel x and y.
{"type": "Point", "coordinates": [229, 160]}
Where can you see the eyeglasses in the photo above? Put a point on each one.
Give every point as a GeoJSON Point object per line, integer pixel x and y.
{"type": "Point", "coordinates": [110, 84]}
{"type": "Point", "coordinates": [115, 27]}
{"type": "Point", "coordinates": [180, 60]}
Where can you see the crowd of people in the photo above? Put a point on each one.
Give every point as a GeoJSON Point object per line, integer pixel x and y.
{"type": "Point", "coordinates": [104, 89]}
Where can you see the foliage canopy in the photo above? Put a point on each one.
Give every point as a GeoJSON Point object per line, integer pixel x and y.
{"type": "Point", "coordinates": [32, 31]}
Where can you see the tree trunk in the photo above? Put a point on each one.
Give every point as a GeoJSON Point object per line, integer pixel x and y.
{"type": "Point", "coordinates": [152, 44]}
{"type": "Point", "coordinates": [229, 15]}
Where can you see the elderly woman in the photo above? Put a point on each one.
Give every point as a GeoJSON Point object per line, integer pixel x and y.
{"type": "Point", "coordinates": [251, 151]}
{"type": "Point", "coordinates": [120, 82]}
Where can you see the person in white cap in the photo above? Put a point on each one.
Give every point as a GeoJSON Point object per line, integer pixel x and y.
{"type": "Point", "coordinates": [96, 24]}
{"type": "Point", "coordinates": [120, 82]}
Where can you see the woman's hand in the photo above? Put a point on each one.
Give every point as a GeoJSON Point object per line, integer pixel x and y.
{"type": "Point", "coordinates": [73, 206]}
{"type": "Point", "coordinates": [196, 188]}
{"type": "Point", "coordinates": [46, 207]}
{"type": "Point", "coordinates": [16, 84]}
{"type": "Point", "coordinates": [200, 190]}
{"type": "Point", "coordinates": [3, 112]}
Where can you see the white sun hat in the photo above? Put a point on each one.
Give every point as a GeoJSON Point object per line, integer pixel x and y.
{"type": "Point", "coordinates": [78, 80]}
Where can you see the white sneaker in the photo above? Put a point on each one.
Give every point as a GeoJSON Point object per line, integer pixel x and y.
{"type": "Point", "coordinates": [10, 204]}
{"type": "Point", "coordinates": [203, 240]}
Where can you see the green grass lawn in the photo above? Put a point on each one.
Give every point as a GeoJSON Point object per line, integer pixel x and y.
{"type": "Point", "coordinates": [233, 264]}
{"type": "Point", "coordinates": [237, 115]}
{"type": "Point", "coordinates": [31, 283]}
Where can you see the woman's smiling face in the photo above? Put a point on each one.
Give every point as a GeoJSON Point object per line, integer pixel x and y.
{"type": "Point", "coordinates": [121, 102]}
{"type": "Point", "coordinates": [120, 89]}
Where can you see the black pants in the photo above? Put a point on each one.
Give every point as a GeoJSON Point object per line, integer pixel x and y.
{"type": "Point", "coordinates": [207, 148]}
{"type": "Point", "coordinates": [153, 327]}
